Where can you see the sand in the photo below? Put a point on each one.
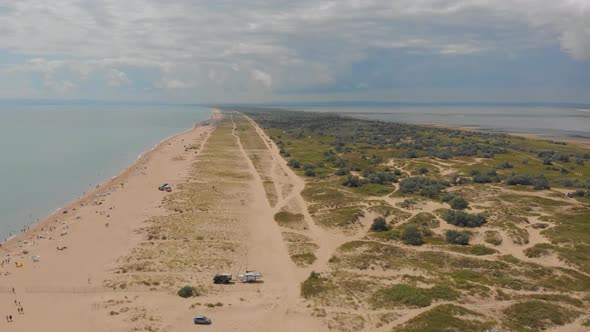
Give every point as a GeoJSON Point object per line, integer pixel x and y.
{"type": "Point", "coordinates": [68, 289]}
{"type": "Point", "coordinates": [58, 291]}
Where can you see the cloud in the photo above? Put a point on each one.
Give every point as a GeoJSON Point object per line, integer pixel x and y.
{"type": "Point", "coordinates": [227, 49]}
{"type": "Point", "coordinates": [262, 77]}
{"type": "Point", "coordinates": [172, 83]}
{"type": "Point", "coordinates": [117, 78]}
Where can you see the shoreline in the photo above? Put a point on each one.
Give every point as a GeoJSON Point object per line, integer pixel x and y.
{"type": "Point", "coordinates": [582, 142]}
{"type": "Point", "coordinates": [13, 240]}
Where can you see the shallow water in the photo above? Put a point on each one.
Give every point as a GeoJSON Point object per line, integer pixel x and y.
{"type": "Point", "coordinates": [51, 154]}
{"type": "Point", "coordinates": [555, 122]}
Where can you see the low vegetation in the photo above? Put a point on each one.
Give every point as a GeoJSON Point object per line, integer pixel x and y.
{"type": "Point", "coordinates": [419, 185]}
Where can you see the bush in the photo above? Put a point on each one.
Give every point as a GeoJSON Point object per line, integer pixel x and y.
{"type": "Point", "coordinates": [353, 182]}
{"type": "Point", "coordinates": [342, 171]}
{"type": "Point", "coordinates": [458, 203]}
{"type": "Point", "coordinates": [423, 170]}
{"type": "Point", "coordinates": [505, 165]}
{"type": "Point", "coordinates": [462, 219]}
{"type": "Point", "coordinates": [456, 237]}
{"type": "Point", "coordinates": [447, 197]}
{"type": "Point", "coordinates": [309, 172]}
{"type": "Point", "coordinates": [379, 225]}
{"type": "Point", "coordinates": [538, 182]}
{"type": "Point", "coordinates": [381, 178]}
{"type": "Point", "coordinates": [186, 292]}
{"type": "Point", "coordinates": [294, 163]}
{"type": "Point", "coordinates": [423, 186]}
{"type": "Point", "coordinates": [411, 235]}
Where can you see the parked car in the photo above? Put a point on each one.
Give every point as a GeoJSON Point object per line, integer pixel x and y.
{"type": "Point", "coordinates": [165, 187]}
{"type": "Point", "coordinates": [222, 278]}
{"type": "Point", "coordinates": [201, 320]}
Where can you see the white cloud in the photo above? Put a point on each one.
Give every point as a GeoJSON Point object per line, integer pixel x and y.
{"type": "Point", "coordinates": [217, 48]}
{"type": "Point", "coordinates": [172, 83]}
{"type": "Point", "coordinates": [262, 77]}
{"type": "Point", "coordinates": [117, 78]}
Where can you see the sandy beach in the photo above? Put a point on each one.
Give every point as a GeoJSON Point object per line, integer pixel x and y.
{"type": "Point", "coordinates": [66, 257]}
{"type": "Point", "coordinates": [78, 269]}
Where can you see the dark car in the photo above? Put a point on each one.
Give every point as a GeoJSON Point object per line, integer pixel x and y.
{"type": "Point", "coordinates": [165, 187]}
{"type": "Point", "coordinates": [222, 278]}
{"type": "Point", "coordinates": [201, 320]}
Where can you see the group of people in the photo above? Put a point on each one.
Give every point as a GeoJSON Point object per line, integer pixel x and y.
{"type": "Point", "coordinates": [19, 309]}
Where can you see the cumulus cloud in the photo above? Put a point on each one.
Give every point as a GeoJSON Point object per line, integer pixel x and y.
{"type": "Point", "coordinates": [217, 48]}
{"type": "Point", "coordinates": [117, 78]}
{"type": "Point", "coordinates": [262, 77]}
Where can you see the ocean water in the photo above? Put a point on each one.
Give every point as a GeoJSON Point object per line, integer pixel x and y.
{"type": "Point", "coordinates": [552, 122]}
{"type": "Point", "coordinates": [51, 154]}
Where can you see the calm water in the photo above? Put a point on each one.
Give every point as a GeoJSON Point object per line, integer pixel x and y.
{"type": "Point", "coordinates": [547, 121]}
{"type": "Point", "coordinates": [50, 155]}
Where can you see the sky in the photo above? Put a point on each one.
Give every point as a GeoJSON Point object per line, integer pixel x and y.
{"type": "Point", "coordinates": [261, 51]}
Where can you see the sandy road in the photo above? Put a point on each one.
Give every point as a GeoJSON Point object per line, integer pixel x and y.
{"type": "Point", "coordinates": [268, 253]}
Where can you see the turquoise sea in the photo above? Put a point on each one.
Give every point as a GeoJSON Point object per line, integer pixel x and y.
{"type": "Point", "coordinates": [51, 154]}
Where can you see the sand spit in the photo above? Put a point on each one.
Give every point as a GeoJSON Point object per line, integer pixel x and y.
{"type": "Point", "coordinates": [114, 260]}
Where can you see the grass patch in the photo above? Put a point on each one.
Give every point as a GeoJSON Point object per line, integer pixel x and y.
{"type": "Point", "coordinates": [304, 259]}
{"type": "Point", "coordinates": [446, 317]}
{"type": "Point", "coordinates": [315, 285]}
{"type": "Point", "coordinates": [536, 315]}
{"type": "Point", "coordinates": [424, 219]}
{"type": "Point", "coordinates": [407, 295]}
{"type": "Point", "coordinates": [284, 217]}
{"type": "Point", "coordinates": [492, 237]}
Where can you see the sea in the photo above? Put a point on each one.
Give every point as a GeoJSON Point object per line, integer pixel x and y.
{"type": "Point", "coordinates": [50, 154]}
{"type": "Point", "coordinates": [553, 122]}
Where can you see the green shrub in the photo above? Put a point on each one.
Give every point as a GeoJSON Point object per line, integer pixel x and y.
{"type": "Point", "coordinates": [294, 163]}
{"type": "Point", "coordinates": [423, 186]}
{"type": "Point", "coordinates": [459, 203]}
{"type": "Point", "coordinates": [342, 171]}
{"type": "Point", "coordinates": [186, 292]}
{"type": "Point", "coordinates": [412, 235]}
{"type": "Point", "coordinates": [462, 219]}
{"type": "Point", "coordinates": [353, 181]}
{"type": "Point", "coordinates": [456, 237]}
{"type": "Point", "coordinates": [379, 225]}
{"type": "Point", "coordinates": [309, 172]}
{"type": "Point", "coordinates": [538, 182]}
